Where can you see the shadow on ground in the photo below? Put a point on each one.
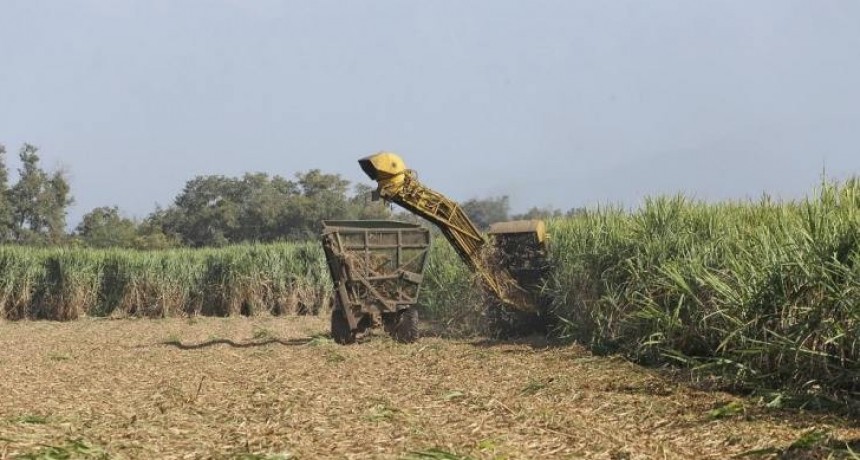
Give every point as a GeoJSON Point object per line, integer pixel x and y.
{"type": "Point", "coordinates": [259, 343]}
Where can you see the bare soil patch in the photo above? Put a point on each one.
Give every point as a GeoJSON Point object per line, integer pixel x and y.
{"type": "Point", "coordinates": [280, 388]}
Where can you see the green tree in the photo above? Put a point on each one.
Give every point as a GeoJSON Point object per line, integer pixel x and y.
{"type": "Point", "coordinates": [322, 196]}
{"type": "Point", "coordinates": [487, 211]}
{"type": "Point", "coordinates": [206, 213]}
{"type": "Point", "coordinates": [151, 234]}
{"type": "Point", "coordinates": [5, 205]}
{"type": "Point", "coordinates": [573, 212]}
{"type": "Point", "coordinates": [39, 201]}
{"type": "Point", "coordinates": [217, 210]}
{"type": "Point", "coordinates": [536, 213]}
{"type": "Point", "coordinates": [362, 205]}
{"type": "Point", "coordinates": [264, 203]}
{"type": "Point", "coordinates": [104, 227]}
{"type": "Point", "coordinates": [58, 198]}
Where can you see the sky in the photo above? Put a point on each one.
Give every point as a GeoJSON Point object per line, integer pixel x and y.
{"type": "Point", "coordinates": [554, 103]}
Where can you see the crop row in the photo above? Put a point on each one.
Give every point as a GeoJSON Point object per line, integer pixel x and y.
{"type": "Point", "coordinates": [765, 293]}
{"type": "Point", "coordinates": [67, 283]}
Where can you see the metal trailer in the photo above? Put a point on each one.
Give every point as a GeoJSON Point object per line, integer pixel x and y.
{"type": "Point", "coordinates": [376, 267]}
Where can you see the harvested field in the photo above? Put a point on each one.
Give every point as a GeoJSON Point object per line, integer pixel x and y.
{"type": "Point", "coordinates": [270, 387]}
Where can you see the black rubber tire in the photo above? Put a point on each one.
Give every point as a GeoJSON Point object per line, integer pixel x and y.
{"type": "Point", "coordinates": [340, 330]}
{"type": "Point", "coordinates": [403, 326]}
{"type": "Point", "coordinates": [389, 322]}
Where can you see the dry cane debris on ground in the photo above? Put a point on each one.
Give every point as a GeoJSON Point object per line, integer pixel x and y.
{"type": "Point", "coordinates": [269, 388]}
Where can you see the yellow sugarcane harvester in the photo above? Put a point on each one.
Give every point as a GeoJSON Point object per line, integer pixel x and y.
{"type": "Point", "coordinates": [510, 265]}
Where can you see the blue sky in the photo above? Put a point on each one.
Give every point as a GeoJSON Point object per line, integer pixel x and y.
{"type": "Point", "coordinates": [555, 103]}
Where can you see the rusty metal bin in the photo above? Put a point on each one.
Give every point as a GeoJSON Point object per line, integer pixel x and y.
{"type": "Point", "coordinates": [377, 267]}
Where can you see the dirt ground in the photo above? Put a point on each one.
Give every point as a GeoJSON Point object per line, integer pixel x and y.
{"type": "Point", "coordinates": [275, 388]}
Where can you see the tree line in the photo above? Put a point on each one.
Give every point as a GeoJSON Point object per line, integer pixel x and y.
{"type": "Point", "coordinates": [33, 210]}
{"type": "Point", "coordinates": [212, 210]}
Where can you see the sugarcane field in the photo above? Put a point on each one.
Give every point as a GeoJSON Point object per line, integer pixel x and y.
{"type": "Point", "coordinates": [146, 366]}
{"type": "Point", "coordinates": [429, 230]}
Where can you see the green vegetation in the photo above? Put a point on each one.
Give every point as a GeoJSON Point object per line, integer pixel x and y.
{"type": "Point", "coordinates": [33, 210]}
{"type": "Point", "coordinates": [449, 292]}
{"type": "Point", "coordinates": [31, 419]}
{"type": "Point", "coordinates": [211, 211]}
{"type": "Point", "coordinates": [67, 283]}
{"type": "Point", "coordinates": [764, 293]}
{"type": "Point", "coordinates": [436, 454]}
{"type": "Point", "coordinates": [218, 210]}
{"type": "Point", "coordinates": [72, 449]}
{"type": "Point", "coordinates": [767, 294]}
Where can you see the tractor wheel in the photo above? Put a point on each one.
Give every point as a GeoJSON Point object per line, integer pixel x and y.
{"type": "Point", "coordinates": [340, 330]}
{"type": "Point", "coordinates": [403, 325]}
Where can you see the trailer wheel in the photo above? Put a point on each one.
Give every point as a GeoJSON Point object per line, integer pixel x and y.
{"type": "Point", "coordinates": [340, 330]}
{"type": "Point", "coordinates": [403, 325]}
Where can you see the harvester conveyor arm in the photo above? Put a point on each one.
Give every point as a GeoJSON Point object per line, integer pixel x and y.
{"type": "Point", "coordinates": [399, 185]}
